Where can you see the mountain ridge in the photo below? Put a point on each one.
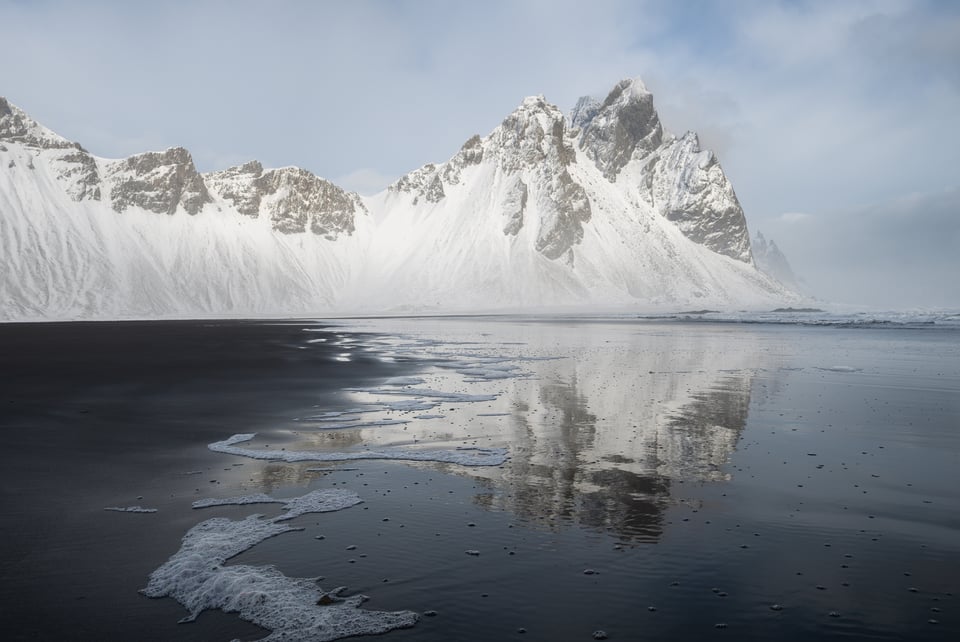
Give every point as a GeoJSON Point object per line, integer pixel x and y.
{"type": "Point", "coordinates": [532, 215]}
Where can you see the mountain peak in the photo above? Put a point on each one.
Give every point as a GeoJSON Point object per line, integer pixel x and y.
{"type": "Point", "coordinates": [625, 126]}
{"type": "Point", "coordinates": [292, 198]}
{"type": "Point", "coordinates": [17, 126]}
{"type": "Point", "coordinates": [632, 87]}
{"type": "Point", "coordinates": [532, 134]}
{"type": "Point", "coordinates": [534, 102]}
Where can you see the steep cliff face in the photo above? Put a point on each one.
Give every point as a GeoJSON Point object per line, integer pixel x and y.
{"type": "Point", "coordinates": [689, 188]}
{"type": "Point", "coordinates": [158, 182]}
{"type": "Point", "coordinates": [622, 128]}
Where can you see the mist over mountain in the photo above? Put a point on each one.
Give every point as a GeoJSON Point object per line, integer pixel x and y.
{"type": "Point", "coordinates": [771, 261]}
{"type": "Point", "coordinates": [599, 209]}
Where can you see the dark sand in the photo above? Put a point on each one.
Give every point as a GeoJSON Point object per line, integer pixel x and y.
{"type": "Point", "coordinates": [97, 415]}
{"type": "Point", "coordinates": [664, 479]}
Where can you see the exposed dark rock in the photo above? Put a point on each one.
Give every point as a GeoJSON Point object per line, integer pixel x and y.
{"type": "Point", "coordinates": [158, 182]}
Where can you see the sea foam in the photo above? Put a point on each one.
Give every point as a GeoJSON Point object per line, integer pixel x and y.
{"type": "Point", "coordinates": [291, 608]}
{"type": "Point", "coordinates": [479, 457]}
{"type": "Point", "coordinates": [318, 501]}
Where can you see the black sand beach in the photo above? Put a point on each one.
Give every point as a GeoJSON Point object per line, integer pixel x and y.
{"type": "Point", "coordinates": [664, 481]}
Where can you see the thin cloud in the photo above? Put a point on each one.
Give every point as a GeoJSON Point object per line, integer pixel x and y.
{"type": "Point", "coordinates": [365, 181]}
{"type": "Point", "coordinates": [793, 217]}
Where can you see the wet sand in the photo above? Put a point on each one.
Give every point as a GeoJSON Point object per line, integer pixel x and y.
{"type": "Point", "coordinates": [98, 415]}
{"type": "Point", "coordinates": [665, 480]}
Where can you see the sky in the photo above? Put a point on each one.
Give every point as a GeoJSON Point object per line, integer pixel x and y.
{"type": "Point", "coordinates": [838, 123]}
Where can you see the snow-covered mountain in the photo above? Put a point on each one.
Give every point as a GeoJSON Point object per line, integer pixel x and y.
{"type": "Point", "coordinates": [544, 212]}
{"type": "Point", "coordinates": [146, 236]}
{"type": "Point", "coordinates": [603, 208]}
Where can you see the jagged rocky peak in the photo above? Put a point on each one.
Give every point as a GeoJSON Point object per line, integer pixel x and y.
{"type": "Point", "coordinates": [238, 185]}
{"type": "Point", "coordinates": [624, 127]}
{"type": "Point", "coordinates": [17, 127]}
{"type": "Point", "coordinates": [424, 183]}
{"type": "Point", "coordinates": [624, 138]}
{"type": "Point", "coordinates": [534, 149]}
{"type": "Point", "coordinates": [72, 164]}
{"type": "Point", "coordinates": [158, 182]}
{"type": "Point", "coordinates": [531, 150]}
{"type": "Point", "coordinates": [293, 199]}
{"type": "Point", "coordinates": [584, 111]}
{"type": "Point", "coordinates": [533, 134]}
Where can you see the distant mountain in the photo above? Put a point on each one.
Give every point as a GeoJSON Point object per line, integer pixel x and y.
{"type": "Point", "coordinates": [772, 262]}
{"type": "Point", "coordinates": [603, 209]}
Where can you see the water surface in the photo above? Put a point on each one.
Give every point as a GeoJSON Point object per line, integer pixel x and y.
{"type": "Point", "coordinates": [666, 479]}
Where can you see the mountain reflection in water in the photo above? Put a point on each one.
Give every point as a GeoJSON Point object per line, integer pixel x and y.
{"type": "Point", "coordinates": [610, 471]}
{"type": "Point", "coordinates": [607, 419]}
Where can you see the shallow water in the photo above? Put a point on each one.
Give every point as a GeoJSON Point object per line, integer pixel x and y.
{"type": "Point", "coordinates": [665, 480]}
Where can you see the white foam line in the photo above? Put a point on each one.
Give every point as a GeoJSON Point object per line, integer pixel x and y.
{"type": "Point", "coordinates": [337, 415]}
{"type": "Point", "coordinates": [453, 397]}
{"type": "Point", "coordinates": [487, 374]}
{"type": "Point", "coordinates": [258, 498]}
{"type": "Point", "coordinates": [840, 369]}
{"type": "Point", "coordinates": [366, 424]}
{"type": "Point", "coordinates": [483, 457]}
{"type": "Point", "coordinates": [318, 501]}
{"type": "Point", "coordinates": [410, 405]}
{"type": "Point", "coordinates": [130, 509]}
{"type": "Point", "coordinates": [340, 469]}
{"type": "Point", "coordinates": [404, 381]}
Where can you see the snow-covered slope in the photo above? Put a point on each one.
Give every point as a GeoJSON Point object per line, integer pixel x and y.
{"type": "Point", "coordinates": [86, 237]}
{"type": "Point", "coordinates": [602, 210]}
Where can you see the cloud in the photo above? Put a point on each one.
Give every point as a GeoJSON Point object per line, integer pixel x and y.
{"type": "Point", "coordinates": [890, 254]}
{"type": "Point", "coordinates": [793, 217]}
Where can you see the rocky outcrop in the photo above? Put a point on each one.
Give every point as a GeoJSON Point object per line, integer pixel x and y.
{"type": "Point", "coordinates": [293, 199]}
{"type": "Point", "coordinates": [157, 182]}
{"type": "Point", "coordinates": [514, 204]}
{"type": "Point", "coordinates": [17, 127]}
{"type": "Point", "coordinates": [72, 163]}
{"type": "Point", "coordinates": [624, 127]}
{"type": "Point", "coordinates": [533, 142]}
{"type": "Point", "coordinates": [688, 187]}
{"type": "Point", "coordinates": [530, 151]}
{"type": "Point", "coordinates": [79, 171]}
